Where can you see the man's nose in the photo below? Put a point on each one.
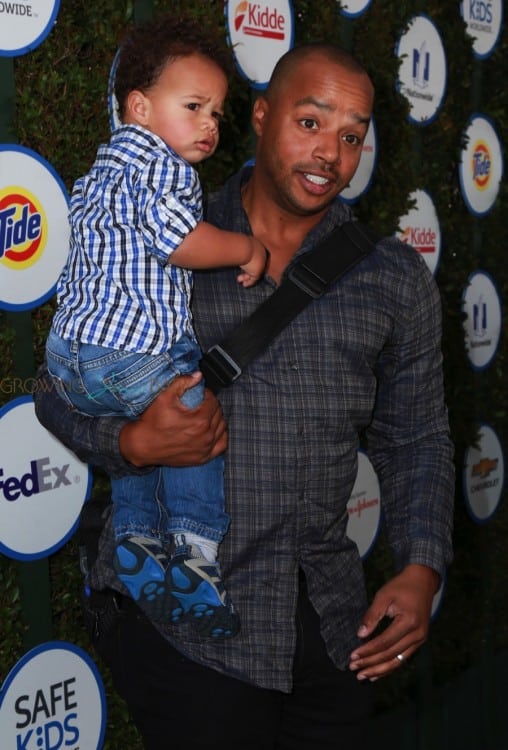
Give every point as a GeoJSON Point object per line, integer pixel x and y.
{"type": "Point", "coordinates": [327, 149]}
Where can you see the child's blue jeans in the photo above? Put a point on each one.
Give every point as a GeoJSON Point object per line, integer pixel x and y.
{"type": "Point", "coordinates": [104, 382]}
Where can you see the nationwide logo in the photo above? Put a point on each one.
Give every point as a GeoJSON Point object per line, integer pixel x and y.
{"type": "Point", "coordinates": [422, 239]}
{"type": "Point", "coordinates": [481, 165]}
{"type": "Point", "coordinates": [484, 467]}
{"type": "Point", "coordinates": [23, 228]}
{"type": "Point", "coordinates": [253, 19]}
{"type": "Point", "coordinates": [421, 66]}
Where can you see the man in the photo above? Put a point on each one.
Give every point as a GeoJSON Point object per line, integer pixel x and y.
{"type": "Point", "coordinates": [363, 361]}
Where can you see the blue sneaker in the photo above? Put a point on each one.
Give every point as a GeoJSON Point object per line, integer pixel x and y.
{"type": "Point", "coordinates": [199, 593]}
{"type": "Point", "coordinates": [141, 564]}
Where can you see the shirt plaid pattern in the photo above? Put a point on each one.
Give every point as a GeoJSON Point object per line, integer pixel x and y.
{"type": "Point", "coordinates": [128, 214]}
{"type": "Point", "coordinates": [363, 360]}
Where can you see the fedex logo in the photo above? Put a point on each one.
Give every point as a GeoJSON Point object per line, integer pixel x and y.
{"type": "Point", "coordinates": [41, 477]}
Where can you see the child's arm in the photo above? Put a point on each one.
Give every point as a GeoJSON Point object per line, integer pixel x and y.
{"type": "Point", "coordinates": [209, 247]}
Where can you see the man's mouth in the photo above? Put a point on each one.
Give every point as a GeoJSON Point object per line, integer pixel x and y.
{"type": "Point", "coordinates": [316, 179]}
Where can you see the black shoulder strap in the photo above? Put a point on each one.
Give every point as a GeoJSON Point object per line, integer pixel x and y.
{"type": "Point", "coordinates": [308, 279]}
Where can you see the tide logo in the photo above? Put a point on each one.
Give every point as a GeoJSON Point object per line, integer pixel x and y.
{"type": "Point", "coordinates": [481, 165]}
{"type": "Point", "coordinates": [23, 228]}
{"type": "Point", "coordinates": [254, 20]}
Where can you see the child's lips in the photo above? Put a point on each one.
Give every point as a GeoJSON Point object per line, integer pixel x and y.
{"type": "Point", "coordinates": [206, 146]}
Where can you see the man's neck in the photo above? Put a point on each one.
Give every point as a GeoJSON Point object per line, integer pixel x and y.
{"type": "Point", "coordinates": [280, 231]}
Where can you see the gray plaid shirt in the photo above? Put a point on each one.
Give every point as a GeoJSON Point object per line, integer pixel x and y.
{"type": "Point", "coordinates": [361, 363]}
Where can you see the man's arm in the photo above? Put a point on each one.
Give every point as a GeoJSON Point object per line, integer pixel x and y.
{"type": "Point", "coordinates": [166, 434]}
{"type": "Point", "coordinates": [409, 445]}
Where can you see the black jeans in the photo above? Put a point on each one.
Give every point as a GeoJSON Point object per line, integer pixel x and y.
{"type": "Point", "coordinates": [177, 704]}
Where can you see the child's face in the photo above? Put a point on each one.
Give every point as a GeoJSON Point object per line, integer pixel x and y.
{"type": "Point", "coordinates": [184, 107]}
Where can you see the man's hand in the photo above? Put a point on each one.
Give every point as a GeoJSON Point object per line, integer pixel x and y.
{"type": "Point", "coordinates": [170, 434]}
{"type": "Point", "coordinates": [407, 601]}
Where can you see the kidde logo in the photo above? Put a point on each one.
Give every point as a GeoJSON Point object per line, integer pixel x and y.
{"type": "Point", "coordinates": [423, 240]}
{"type": "Point", "coordinates": [22, 228]}
{"type": "Point", "coordinates": [41, 477]}
{"type": "Point", "coordinates": [256, 20]}
{"type": "Point", "coordinates": [481, 165]}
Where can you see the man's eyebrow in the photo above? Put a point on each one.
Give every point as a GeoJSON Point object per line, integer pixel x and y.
{"type": "Point", "coordinates": [361, 119]}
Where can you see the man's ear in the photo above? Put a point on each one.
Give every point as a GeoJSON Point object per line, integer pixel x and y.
{"type": "Point", "coordinates": [259, 114]}
{"type": "Point", "coordinates": [137, 108]}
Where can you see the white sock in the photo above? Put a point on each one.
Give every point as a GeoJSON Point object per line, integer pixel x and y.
{"type": "Point", "coordinates": [207, 547]}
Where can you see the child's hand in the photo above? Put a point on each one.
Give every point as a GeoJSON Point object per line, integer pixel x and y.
{"type": "Point", "coordinates": [254, 268]}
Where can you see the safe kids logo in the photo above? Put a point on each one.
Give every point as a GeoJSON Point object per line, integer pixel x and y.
{"type": "Point", "coordinates": [42, 485]}
{"type": "Point", "coordinates": [34, 228]}
{"type": "Point", "coordinates": [484, 475]}
{"type": "Point", "coordinates": [484, 20]}
{"type": "Point", "coordinates": [23, 228]}
{"type": "Point", "coordinates": [53, 699]}
{"type": "Point", "coordinates": [420, 229]}
{"type": "Point", "coordinates": [259, 34]}
{"type": "Point", "coordinates": [481, 165]}
{"type": "Point", "coordinates": [422, 72]}
{"type": "Point", "coordinates": [24, 25]}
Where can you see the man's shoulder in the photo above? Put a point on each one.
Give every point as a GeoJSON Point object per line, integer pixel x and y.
{"type": "Point", "coordinates": [223, 205]}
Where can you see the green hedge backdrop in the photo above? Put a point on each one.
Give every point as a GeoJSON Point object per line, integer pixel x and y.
{"type": "Point", "coordinates": [61, 113]}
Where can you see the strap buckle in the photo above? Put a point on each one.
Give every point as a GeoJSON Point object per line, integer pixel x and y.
{"type": "Point", "coordinates": [218, 365]}
{"type": "Point", "coordinates": [307, 280]}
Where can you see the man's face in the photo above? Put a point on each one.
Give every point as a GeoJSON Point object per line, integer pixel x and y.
{"type": "Point", "coordinates": [310, 134]}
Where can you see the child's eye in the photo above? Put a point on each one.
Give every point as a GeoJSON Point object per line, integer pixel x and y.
{"type": "Point", "coordinates": [194, 106]}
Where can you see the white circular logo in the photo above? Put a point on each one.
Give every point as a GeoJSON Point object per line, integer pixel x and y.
{"type": "Point", "coordinates": [23, 26]}
{"type": "Point", "coordinates": [422, 72]}
{"type": "Point", "coordinates": [53, 699]}
{"type": "Point", "coordinates": [481, 165]}
{"type": "Point", "coordinates": [364, 507]}
{"type": "Point", "coordinates": [484, 475]}
{"type": "Point", "coordinates": [420, 229]}
{"type": "Point", "coordinates": [259, 35]}
{"type": "Point", "coordinates": [353, 8]}
{"type": "Point", "coordinates": [484, 20]}
{"type": "Point", "coordinates": [113, 109]}
{"type": "Point", "coordinates": [363, 176]}
{"type": "Point", "coordinates": [482, 325]}
{"type": "Point", "coordinates": [437, 601]}
{"type": "Point", "coordinates": [42, 485]}
{"type": "Point", "coordinates": [34, 228]}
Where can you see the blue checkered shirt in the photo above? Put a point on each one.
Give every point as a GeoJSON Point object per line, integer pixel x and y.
{"type": "Point", "coordinates": [127, 215]}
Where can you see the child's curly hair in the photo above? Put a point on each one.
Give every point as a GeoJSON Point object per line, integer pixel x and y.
{"type": "Point", "coordinates": [152, 44]}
